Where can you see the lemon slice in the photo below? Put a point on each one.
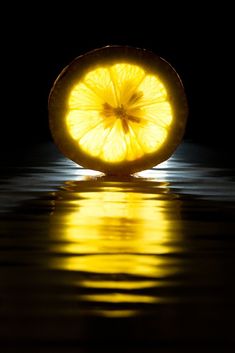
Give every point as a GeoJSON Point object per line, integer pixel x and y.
{"type": "Point", "coordinates": [118, 110]}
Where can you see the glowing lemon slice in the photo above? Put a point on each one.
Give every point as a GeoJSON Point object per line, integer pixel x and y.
{"type": "Point", "coordinates": [118, 110]}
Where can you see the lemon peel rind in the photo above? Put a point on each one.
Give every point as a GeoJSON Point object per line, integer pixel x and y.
{"type": "Point", "coordinates": [107, 56]}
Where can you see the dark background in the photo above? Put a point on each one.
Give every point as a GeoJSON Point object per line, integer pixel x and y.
{"type": "Point", "coordinates": [38, 42]}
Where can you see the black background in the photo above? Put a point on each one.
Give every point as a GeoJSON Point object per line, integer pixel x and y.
{"type": "Point", "coordinates": [37, 42]}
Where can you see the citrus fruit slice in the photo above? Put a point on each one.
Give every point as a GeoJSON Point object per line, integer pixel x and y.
{"type": "Point", "coordinates": [118, 110]}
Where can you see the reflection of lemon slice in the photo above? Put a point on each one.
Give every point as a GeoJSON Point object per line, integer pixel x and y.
{"type": "Point", "coordinates": [118, 110]}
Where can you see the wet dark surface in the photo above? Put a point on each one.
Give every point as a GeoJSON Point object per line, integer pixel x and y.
{"type": "Point", "coordinates": [144, 264]}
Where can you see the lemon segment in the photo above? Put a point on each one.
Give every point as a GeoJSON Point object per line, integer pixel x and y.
{"type": "Point", "coordinates": [119, 113]}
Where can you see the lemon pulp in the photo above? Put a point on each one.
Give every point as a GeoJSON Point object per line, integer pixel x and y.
{"type": "Point", "coordinates": [119, 113]}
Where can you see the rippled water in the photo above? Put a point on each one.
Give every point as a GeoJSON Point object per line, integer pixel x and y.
{"type": "Point", "coordinates": [89, 261]}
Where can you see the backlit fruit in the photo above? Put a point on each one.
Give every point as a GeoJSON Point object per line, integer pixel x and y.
{"type": "Point", "coordinates": [118, 110]}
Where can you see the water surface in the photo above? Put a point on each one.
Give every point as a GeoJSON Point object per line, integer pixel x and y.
{"type": "Point", "coordinates": [91, 263]}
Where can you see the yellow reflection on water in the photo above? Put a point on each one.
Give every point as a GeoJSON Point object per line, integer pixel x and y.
{"type": "Point", "coordinates": [119, 236]}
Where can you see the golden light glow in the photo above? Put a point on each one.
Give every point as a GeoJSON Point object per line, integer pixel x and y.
{"type": "Point", "coordinates": [119, 298]}
{"type": "Point", "coordinates": [120, 236]}
{"type": "Point", "coordinates": [119, 112]}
